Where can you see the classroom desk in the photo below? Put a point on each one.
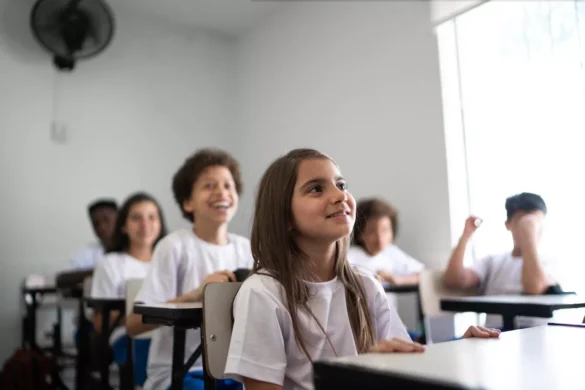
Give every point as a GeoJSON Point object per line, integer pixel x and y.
{"type": "Point", "coordinates": [400, 289]}
{"type": "Point", "coordinates": [31, 296]}
{"type": "Point", "coordinates": [510, 306]}
{"type": "Point", "coordinates": [544, 357]}
{"type": "Point", "coordinates": [181, 316]}
{"type": "Point", "coordinates": [106, 307]}
{"type": "Point", "coordinates": [69, 285]}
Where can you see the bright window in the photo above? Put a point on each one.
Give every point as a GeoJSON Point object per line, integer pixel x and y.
{"type": "Point", "coordinates": [513, 77]}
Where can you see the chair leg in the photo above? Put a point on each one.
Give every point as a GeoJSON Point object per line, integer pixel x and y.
{"type": "Point", "coordinates": [127, 369]}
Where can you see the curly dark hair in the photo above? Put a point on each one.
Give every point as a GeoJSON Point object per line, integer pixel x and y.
{"type": "Point", "coordinates": [369, 209]}
{"type": "Point", "coordinates": [192, 168]}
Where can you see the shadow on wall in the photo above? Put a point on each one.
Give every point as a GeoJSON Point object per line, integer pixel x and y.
{"type": "Point", "coordinates": [16, 37]}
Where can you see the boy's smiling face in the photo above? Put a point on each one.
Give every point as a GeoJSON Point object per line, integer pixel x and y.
{"type": "Point", "coordinates": [214, 198]}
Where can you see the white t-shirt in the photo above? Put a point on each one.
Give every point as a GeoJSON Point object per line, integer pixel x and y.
{"type": "Point", "coordinates": [88, 257]}
{"type": "Point", "coordinates": [263, 346]}
{"type": "Point", "coordinates": [110, 276]}
{"type": "Point", "coordinates": [180, 262]}
{"type": "Point", "coordinates": [392, 260]}
{"type": "Point", "coordinates": [502, 274]}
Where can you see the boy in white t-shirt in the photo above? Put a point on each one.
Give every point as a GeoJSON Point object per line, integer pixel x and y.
{"type": "Point", "coordinates": [102, 214]}
{"type": "Point", "coordinates": [206, 188]}
{"type": "Point", "coordinates": [523, 270]}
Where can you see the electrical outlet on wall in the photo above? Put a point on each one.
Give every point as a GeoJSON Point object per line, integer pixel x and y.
{"type": "Point", "coordinates": [58, 132]}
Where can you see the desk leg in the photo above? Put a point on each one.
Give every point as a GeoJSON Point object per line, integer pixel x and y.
{"type": "Point", "coordinates": [420, 318]}
{"type": "Point", "coordinates": [31, 321]}
{"type": "Point", "coordinates": [83, 349]}
{"type": "Point", "coordinates": [508, 322]}
{"type": "Point", "coordinates": [104, 352]}
{"type": "Point", "coordinates": [178, 358]}
{"type": "Point", "coordinates": [127, 370]}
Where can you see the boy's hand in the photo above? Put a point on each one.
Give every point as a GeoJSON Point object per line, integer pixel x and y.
{"type": "Point", "coordinates": [384, 276]}
{"type": "Point", "coordinates": [528, 229]}
{"type": "Point", "coordinates": [219, 277]}
{"type": "Point", "coordinates": [396, 345]}
{"type": "Point", "coordinates": [471, 225]}
{"type": "Point", "coordinates": [481, 332]}
{"type": "Point", "coordinates": [216, 277]}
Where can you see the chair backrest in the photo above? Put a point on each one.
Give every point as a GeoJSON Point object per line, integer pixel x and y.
{"type": "Point", "coordinates": [438, 325]}
{"type": "Point", "coordinates": [432, 290]}
{"type": "Point", "coordinates": [217, 325]}
{"type": "Point", "coordinates": [87, 286]}
{"type": "Point", "coordinates": [132, 288]}
{"type": "Point", "coordinates": [72, 279]}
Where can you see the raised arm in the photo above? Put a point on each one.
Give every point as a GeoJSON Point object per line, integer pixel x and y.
{"type": "Point", "coordinates": [456, 275]}
{"type": "Point", "coordinates": [535, 279]}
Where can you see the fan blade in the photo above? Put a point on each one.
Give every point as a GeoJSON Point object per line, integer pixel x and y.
{"type": "Point", "coordinates": [73, 5]}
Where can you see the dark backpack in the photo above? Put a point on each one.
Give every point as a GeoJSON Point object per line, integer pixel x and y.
{"type": "Point", "coordinates": [27, 369]}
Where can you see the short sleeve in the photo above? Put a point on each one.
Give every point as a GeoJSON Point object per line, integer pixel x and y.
{"type": "Point", "coordinates": [257, 347]}
{"type": "Point", "coordinates": [246, 260]}
{"type": "Point", "coordinates": [160, 283]}
{"type": "Point", "coordinates": [105, 281]}
{"type": "Point", "coordinates": [404, 264]}
{"type": "Point", "coordinates": [481, 269]}
{"type": "Point", "coordinates": [386, 320]}
{"type": "Point", "coordinates": [84, 258]}
{"type": "Point", "coordinates": [553, 269]}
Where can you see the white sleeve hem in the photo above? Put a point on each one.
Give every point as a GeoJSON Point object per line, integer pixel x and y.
{"type": "Point", "coordinates": [238, 368]}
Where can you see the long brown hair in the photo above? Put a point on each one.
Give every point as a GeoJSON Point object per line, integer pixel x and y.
{"type": "Point", "coordinates": [276, 252]}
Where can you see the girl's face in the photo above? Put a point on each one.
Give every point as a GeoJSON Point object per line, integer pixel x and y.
{"type": "Point", "coordinates": [377, 235]}
{"type": "Point", "coordinates": [143, 224]}
{"type": "Point", "coordinates": [322, 208]}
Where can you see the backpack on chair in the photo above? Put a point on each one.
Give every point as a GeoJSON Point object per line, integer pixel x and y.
{"type": "Point", "coordinates": [27, 369]}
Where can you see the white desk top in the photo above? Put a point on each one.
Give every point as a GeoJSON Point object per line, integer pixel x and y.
{"type": "Point", "coordinates": [545, 357]}
{"type": "Point", "coordinates": [173, 306]}
{"type": "Point", "coordinates": [562, 299]}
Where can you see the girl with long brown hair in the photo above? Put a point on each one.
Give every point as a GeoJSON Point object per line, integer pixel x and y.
{"type": "Point", "coordinates": [303, 302]}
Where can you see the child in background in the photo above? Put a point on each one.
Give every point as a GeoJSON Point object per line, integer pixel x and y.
{"type": "Point", "coordinates": [102, 214]}
{"type": "Point", "coordinates": [303, 301]}
{"type": "Point", "coordinates": [140, 225]}
{"type": "Point", "coordinates": [374, 252]}
{"type": "Point", "coordinates": [522, 270]}
{"type": "Point", "coordinates": [206, 188]}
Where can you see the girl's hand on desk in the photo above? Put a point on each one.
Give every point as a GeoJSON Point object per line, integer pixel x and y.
{"type": "Point", "coordinates": [396, 345]}
{"type": "Point", "coordinates": [481, 332]}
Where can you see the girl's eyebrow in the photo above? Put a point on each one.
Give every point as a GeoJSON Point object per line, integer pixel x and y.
{"type": "Point", "coordinates": [319, 180]}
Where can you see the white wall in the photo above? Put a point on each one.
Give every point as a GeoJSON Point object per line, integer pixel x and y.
{"type": "Point", "coordinates": [133, 114]}
{"type": "Point", "coordinates": [442, 10]}
{"type": "Point", "coordinates": [359, 81]}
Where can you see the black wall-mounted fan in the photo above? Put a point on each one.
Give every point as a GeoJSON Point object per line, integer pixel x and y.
{"type": "Point", "coordinates": [72, 29]}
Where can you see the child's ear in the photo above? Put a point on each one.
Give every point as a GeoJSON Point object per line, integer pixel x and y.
{"type": "Point", "coordinates": [188, 206]}
{"type": "Point", "coordinates": [508, 225]}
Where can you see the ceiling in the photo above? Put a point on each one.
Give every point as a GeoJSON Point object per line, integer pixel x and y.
{"type": "Point", "coordinates": [232, 17]}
